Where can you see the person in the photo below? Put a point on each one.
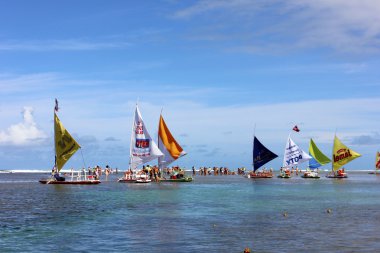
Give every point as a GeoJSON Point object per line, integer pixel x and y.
{"type": "Point", "coordinates": [58, 177]}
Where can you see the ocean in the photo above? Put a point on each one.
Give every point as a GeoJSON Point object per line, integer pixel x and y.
{"type": "Point", "coordinates": [210, 214]}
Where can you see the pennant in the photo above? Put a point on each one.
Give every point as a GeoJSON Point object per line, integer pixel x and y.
{"type": "Point", "coordinates": [56, 105]}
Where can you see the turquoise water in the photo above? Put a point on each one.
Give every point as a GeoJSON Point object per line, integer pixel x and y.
{"type": "Point", "coordinates": [210, 214]}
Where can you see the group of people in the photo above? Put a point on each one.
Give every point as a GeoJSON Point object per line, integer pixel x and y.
{"type": "Point", "coordinates": [290, 171]}
{"type": "Point", "coordinates": [204, 171]}
{"type": "Point", "coordinates": [154, 173]}
{"type": "Point", "coordinates": [94, 172]}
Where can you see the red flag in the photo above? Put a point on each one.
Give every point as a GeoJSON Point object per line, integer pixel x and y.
{"type": "Point", "coordinates": [56, 105]}
{"type": "Point", "coordinates": [295, 128]}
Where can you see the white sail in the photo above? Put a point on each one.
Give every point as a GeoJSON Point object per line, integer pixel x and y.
{"type": "Point", "coordinates": [293, 154]}
{"type": "Point", "coordinates": [143, 149]}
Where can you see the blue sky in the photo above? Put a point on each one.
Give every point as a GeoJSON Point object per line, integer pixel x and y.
{"type": "Point", "coordinates": [216, 68]}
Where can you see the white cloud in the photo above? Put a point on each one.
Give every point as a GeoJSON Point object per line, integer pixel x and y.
{"type": "Point", "coordinates": [60, 45]}
{"type": "Point", "coordinates": [346, 26]}
{"type": "Point", "coordinates": [24, 133]}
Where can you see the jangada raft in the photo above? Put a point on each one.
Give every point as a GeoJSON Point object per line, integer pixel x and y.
{"type": "Point", "coordinates": [65, 147]}
{"type": "Point", "coordinates": [142, 150]}
{"type": "Point", "coordinates": [341, 156]}
{"type": "Point", "coordinates": [318, 159]}
{"type": "Point", "coordinates": [293, 155]}
{"type": "Point", "coordinates": [261, 156]}
{"type": "Point", "coordinates": [172, 151]}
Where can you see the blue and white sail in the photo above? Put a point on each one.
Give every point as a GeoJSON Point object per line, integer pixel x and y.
{"type": "Point", "coordinates": [261, 155]}
{"type": "Point", "coordinates": [294, 155]}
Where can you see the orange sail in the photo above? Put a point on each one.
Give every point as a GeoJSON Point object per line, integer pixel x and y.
{"type": "Point", "coordinates": [168, 145]}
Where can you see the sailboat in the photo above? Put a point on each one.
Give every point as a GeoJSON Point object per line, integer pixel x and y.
{"type": "Point", "coordinates": [261, 156]}
{"type": "Point", "coordinates": [293, 155]}
{"type": "Point", "coordinates": [341, 155]}
{"type": "Point", "coordinates": [65, 147]}
{"type": "Point", "coordinates": [142, 150]}
{"type": "Point", "coordinates": [318, 159]}
{"type": "Point", "coordinates": [171, 150]}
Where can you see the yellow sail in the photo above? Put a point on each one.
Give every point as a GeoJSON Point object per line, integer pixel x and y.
{"type": "Point", "coordinates": [342, 154]}
{"type": "Point", "coordinates": [377, 164]}
{"type": "Point", "coordinates": [65, 145]}
{"type": "Point", "coordinates": [167, 144]}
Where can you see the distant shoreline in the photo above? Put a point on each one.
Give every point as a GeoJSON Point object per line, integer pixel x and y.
{"type": "Point", "coordinates": [122, 171]}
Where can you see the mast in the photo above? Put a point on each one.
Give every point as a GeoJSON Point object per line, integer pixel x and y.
{"type": "Point", "coordinates": [158, 140]}
{"type": "Point", "coordinates": [130, 144]}
{"type": "Point", "coordinates": [253, 147]}
{"type": "Point", "coordinates": [55, 131]}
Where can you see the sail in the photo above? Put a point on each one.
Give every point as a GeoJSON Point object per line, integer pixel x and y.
{"type": "Point", "coordinates": [293, 154]}
{"type": "Point", "coordinates": [377, 163]}
{"type": "Point", "coordinates": [342, 154]}
{"type": "Point", "coordinates": [261, 155]}
{"type": "Point", "coordinates": [143, 148]}
{"type": "Point", "coordinates": [168, 145]}
{"type": "Point", "coordinates": [65, 145]}
{"type": "Point", "coordinates": [318, 158]}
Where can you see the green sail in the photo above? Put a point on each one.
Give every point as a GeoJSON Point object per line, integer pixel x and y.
{"type": "Point", "coordinates": [319, 159]}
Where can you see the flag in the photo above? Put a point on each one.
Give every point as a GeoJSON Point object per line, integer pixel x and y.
{"type": "Point", "coordinates": [295, 128]}
{"type": "Point", "coordinates": [56, 105]}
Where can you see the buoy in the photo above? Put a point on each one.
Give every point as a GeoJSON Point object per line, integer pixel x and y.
{"type": "Point", "coordinates": [329, 210]}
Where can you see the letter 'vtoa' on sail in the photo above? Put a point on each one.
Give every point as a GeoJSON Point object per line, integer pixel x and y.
{"type": "Point", "coordinates": [261, 155]}
{"type": "Point", "coordinates": [168, 145]}
{"type": "Point", "coordinates": [65, 145]}
{"type": "Point", "coordinates": [143, 149]}
{"type": "Point", "coordinates": [318, 158]}
{"type": "Point", "coordinates": [293, 154]}
{"type": "Point", "coordinates": [342, 154]}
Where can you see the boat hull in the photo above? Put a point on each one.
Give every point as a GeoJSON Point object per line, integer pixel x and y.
{"type": "Point", "coordinates": [260, 176]}
{"type": "Point", "coordinates": [284, 176]}
{"type": "Point", "coordinates": [187, 179]}
{"type": "Point", "coordinates": [49, 181]}
{"type": "Point", "coordinates": [142, 181]}
{"type": "Point", "coordinates": [336, 176]}
{"type": "Point", "coordinates": [314, 177]}
{"type": "Point", "coordinates": [310, 174]}
{"type": "Point", "coordinates": [123, 180]}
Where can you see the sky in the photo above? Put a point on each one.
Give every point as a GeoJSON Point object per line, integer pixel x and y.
{"type": "Point", "coordinates": [220, 71]}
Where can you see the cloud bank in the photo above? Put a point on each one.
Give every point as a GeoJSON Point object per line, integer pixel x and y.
{"type": "Point", "coordinates": [24, 133]}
